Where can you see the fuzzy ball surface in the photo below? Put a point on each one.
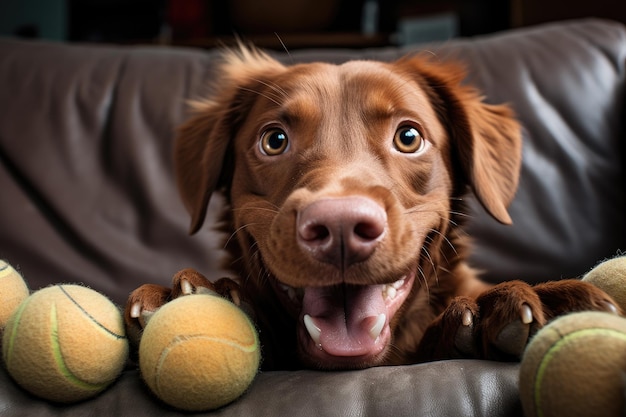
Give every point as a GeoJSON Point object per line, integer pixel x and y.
{"type": "Point", "coordinates": [13, 290]}
{"type": "Point", "coordinates": [610, 277]}
{"type": "Point", "coordinates": [65, 343]}
{"type": "Point", "coordinates": [199, 352]}
{"type": "Point", "coordinates": [576, 366]}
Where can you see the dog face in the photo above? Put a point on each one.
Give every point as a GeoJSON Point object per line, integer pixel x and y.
{"type": "Point", "coordinates": [343, 182]}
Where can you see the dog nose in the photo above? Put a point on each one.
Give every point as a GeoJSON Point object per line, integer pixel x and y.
{"type": "Point", "coordinates": [341, 231]}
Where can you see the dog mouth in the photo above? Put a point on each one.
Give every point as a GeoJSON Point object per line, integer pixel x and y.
{"type": "Point", "coordinates": [345, 325]}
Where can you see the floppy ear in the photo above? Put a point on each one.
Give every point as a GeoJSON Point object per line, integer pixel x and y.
{"type": "Point", "coordinates": [486, 140]}
{"type": "Point", "coordinates": [202, 148]}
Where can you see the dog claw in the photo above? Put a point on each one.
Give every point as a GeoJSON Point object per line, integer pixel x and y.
{"type": "Point", "coordinates": [526, 314]}
{"type": "Point", "coordinates": [467, 318]}
{"type": "Point", "coordinates": [186, 287]}
{"type": "Point", "coordinates": [377, 328]}
{"type": "Point", "coordinates": [135, 310]}
{"type": "Point", "coordinates": [612, 308]}
{"type": "Point", "coordinates": [314, 331]}
{"type": "Point", "coordinates": [234, 296]}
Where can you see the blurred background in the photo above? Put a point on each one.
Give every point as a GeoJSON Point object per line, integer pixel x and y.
{"type": "Point", "coordinates": [296, 23]}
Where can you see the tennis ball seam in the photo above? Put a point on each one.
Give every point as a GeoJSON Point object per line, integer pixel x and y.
{"type": "Point", "coordinates": [60, 361]}
{"type": "Point", "coordinates": [184, 338]}
{"type": "Point", "coordinates": [85, 312]}
{"type": "Point", "coordinates": [541, 369]}
{"type": "Point", "coordinates": [16, 322]}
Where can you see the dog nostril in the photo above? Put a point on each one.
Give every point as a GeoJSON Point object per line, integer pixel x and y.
{"type": "Point", "coordinates": [369, 230]}
{"type": "Point", "coordinates": [341, 231]}
{"type": "Point", "coordinates": [315, 232]}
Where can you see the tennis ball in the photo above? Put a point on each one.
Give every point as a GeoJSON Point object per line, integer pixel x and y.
{"type": "Point", "coordinates": [65, 343]}
{"type": "Point", "coordinates": [575, 366]}
{"type": "Point", "coordinates": [13, 290]}
{"type": "Point", "coordinates": [199, 352]}
{"type": "Point", "coordinates": [610, 277]}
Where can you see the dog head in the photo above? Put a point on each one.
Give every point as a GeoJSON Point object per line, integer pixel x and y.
{"type": "Point", "coordinates": [343, 182]}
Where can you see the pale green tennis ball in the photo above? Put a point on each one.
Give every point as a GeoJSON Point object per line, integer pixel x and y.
{"type": "Point", "coordinates": [65, 343]}
{"type": "Point", "coordinates": [576, 366]}
{"type": "Point", "coordinates": [13, 290]}
{"type": "Point", "coordinates": [610, 277]}
{"type": "Point", "coordinates": [199, 352]}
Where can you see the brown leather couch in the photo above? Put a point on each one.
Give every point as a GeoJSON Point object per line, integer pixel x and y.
{"type": "Point", "coordinates": [87, 195]}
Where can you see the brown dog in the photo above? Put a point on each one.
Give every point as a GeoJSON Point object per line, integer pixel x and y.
{"type": "Point", "coordinates": [344, 185]}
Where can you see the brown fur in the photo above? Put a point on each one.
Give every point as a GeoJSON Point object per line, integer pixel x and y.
{"type": "Point", "coordinates": [341, 121]}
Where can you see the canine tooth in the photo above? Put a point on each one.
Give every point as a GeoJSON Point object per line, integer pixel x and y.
{"type": "Point", "coordinates": [314, 331]}
{"type": "Point", "coordinates": [527, 314]}
{"type": "Point", "coordinates": [377, 328]}
{"type": "Point", "coordinates": [135, 310]}
{"type": "Point", "coordinates": [186, 287]}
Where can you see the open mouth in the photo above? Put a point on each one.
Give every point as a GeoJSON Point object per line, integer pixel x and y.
{"type": "Point", "coordinates": [345, 326]}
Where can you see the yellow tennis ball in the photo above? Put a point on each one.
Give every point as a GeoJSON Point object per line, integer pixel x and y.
{"type": "Point", "coordinates": [65, 343]}
{"type": "Point", "coordinates": [576, 366]}
{"type": "Point", "coordinates": [610, 277]}
{"type": "Point", "coordinates": [13, 290]}
{"type": "Point", "coordinates": [199, 352]}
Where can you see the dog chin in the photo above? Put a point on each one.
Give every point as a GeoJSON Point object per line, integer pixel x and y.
{"type": "Point", "coordinates": [344, 326]}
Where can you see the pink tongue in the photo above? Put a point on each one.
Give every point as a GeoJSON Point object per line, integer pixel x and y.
{"type": "Point", "coordinates": [345, 315]}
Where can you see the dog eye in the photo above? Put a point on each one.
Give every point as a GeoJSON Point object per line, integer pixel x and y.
{"type": "Point", "coordinates": [408, 140]}
{"type": "Point", "coordinates": [274, 142]}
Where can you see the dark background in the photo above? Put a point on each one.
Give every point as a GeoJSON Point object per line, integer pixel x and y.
{"type": "Point", "coordinates": [298, 23]}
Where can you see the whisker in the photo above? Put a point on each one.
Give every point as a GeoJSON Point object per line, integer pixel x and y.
{"type": "Point", "coordinates": [460, 214]}
{"type": "Point", "coordinates": [445, 238]}
{"type": "Point", "coordinates": [424, 280]}
{"type": "Point", "coordinates": [284, 47]}
{"type": "Point", "coordinates": [432, 263]}
{"type": "Point", "coordinates": [271, 210]}
{"type": "Point", "coordinates": [234, 233]}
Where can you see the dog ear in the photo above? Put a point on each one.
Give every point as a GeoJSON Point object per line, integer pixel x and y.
{"type": "Point", "coordinates": [202, 150]}
{"type": "Point", "coordinates": [486, 140]}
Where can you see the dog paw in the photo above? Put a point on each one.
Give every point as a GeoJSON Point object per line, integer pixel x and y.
{"type": "Point", "coordinates": [189, 281]}
{"type": "Point", "coordinates": [510, 314]}
{"type": "Point", "coordinates": [140, 306]}
{"type": "Point", "coordinates": [452, 334]}
{"type": "Point", "coordinates": [570, 295]}
{"type": "Point", "coordinates": [147, 299]}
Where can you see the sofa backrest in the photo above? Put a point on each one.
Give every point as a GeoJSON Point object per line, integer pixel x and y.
{"type": "Point", "coordinates": [86, 174]}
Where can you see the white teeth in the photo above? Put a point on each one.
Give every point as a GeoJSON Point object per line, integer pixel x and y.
{"type": "Point", "coordinates": [391, 290]}
{"type": "Point", "coordinates": [186, 287]}
{"type": "Point", "coordinates": [377, 328]}
{"type": "Point", "coordinates": [398, 284]}
{"type": "Point", "coordinates": [314, 331]}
